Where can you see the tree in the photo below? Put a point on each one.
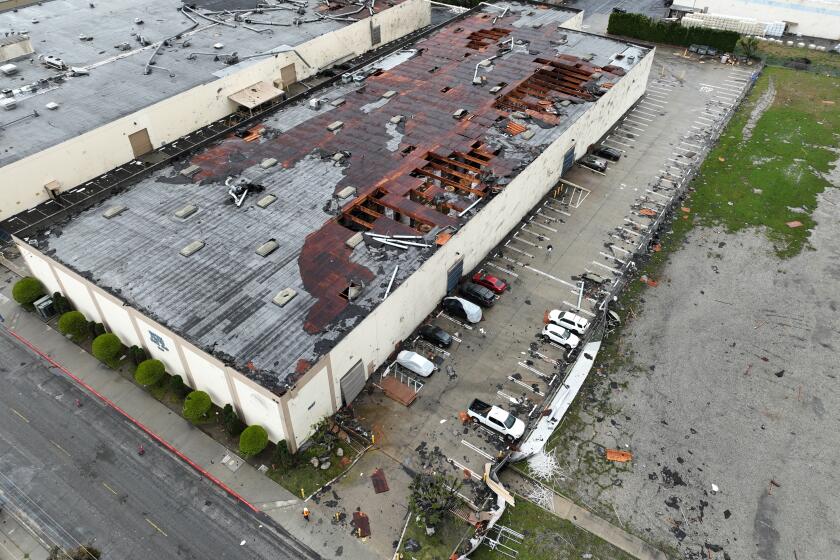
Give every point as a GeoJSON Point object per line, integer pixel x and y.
{"type": "Point", "coordinates": [28, 290]}
{"type": "Point", "coordinates": [282, 457]}
{"type": "Point", "coordinates": [74, 325]}
{"type": "Point", "coordinates": [177, 386]}
{"type": "Point", "coordinates": [749, 45]}
{"type": "Point", "coordinates": [79, 553]}
{"type": "Point", "coordinates": [231, 422]}
{"type": "Point", "coordinates": [137, 354]}
{"type": "Point", "coordinates": [149, 372]}
{"type": "Point", "coordinates": [107, 349]}
{"type": "Point", "coordinates": [253, 440]}
{"type": "Point", "coordinates": [196, 405]}
{"type": "Point", "coordinates": [61, 304]}
{"type": "Point", "coordinates": [432, 495]}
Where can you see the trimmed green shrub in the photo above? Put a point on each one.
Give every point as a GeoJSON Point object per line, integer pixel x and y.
{"type": "Point", "coordinates": [177, 386]}
{"type": "Point", "coordinates": [197, 405]}
{"type": "Point", "coordinates": [137, 355]}
{"type": "Point", "coordinates": [74, 325]}
{"type": "Point", "coordinates": [671, 33]}
{"type": "Point", "coordinates": [149, 372]}
{"type": "Point", "coordinates": [107, 349]}
{"type": "Point", "coordinates": [98, 329]}
{"type": "Point", "coordinates": [231, 422]}
{"type": "Point", "coordinates": [27, 290]}
{"type": "Point", "coordinates": [253, 440]}
{"type": "Point", "coordinates": [92, 329]}
{"type": "Point", "coordinates": [61, 304]}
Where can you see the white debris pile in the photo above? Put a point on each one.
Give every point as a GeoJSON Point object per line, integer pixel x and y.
{"type": "Point", "coordinates": [545, 466]}
{"type": "Point", "coordinates": [541, 496]}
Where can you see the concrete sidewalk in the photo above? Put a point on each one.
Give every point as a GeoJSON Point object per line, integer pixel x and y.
{"type": "Point", "coordinates": [565, 508]}
{"type": "Point", "coordinates": [328, 540]}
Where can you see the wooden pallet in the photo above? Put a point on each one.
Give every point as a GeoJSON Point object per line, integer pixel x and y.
{"type": "Point", "coordinates": [400, 392]}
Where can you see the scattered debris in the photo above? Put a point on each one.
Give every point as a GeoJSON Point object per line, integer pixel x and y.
{"type": "Point", "coordinates": [380, 485]}
{"type": "Point", "coordinates": [794, 224]}
{"type": "Point", "coordinates": [541, 496]}
{"type": "Point", "coordinates": [544, 466]}
{"type": "Point", "coordinates": [618, 456]}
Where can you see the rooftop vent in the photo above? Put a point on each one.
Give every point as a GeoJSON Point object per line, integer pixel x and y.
{"type": "Point", "coordinates": [186, 211]}
{"type": "Point", "coordinates": [389, 94]}
{"type": "Point", "coordinates": [267, 200]}
{"type": "Point", "coordinates": [346, 192]}
{"type": "Point", "coordinates": [190, 171]}
{"type": "Point", "coordinates": [338, 102]}
{"type": "Point", "coordinates": [459, 114]}
{"type": "Point", "coordinates": [113, 212]}
{"type": "Point", "coordinates": [284, 297]}
{"type": "Point", "coordinates": [354, 240]}
{"type": "Point", "coordinates": [267, 248]}
{"type": "Point", "coordinates": [352, 291]}
{"type": "Point", "coordinates": [266, 163]}
{"type": "Point", "coordinates": [192, 248]}
{"type": "Point", "coordinates": [334, 126]}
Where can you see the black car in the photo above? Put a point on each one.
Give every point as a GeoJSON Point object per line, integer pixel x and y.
{"type": "Point", "coordinates": [608, 153]}
{"type": "Point", "coordinates": [436, 336]}
{"type": "Point", "coordinates": [478, 294]}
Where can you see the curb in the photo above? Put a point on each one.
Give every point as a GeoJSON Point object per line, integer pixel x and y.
{"type": "Point", "coordinates": [195, 466]}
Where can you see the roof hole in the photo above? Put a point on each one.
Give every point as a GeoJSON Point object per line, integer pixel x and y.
{"type": "Point", "coordinates": [444, 90]}
{"type": "Point", "coordinates": [409, 149]}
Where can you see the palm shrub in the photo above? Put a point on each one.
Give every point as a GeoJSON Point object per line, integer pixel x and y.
{"type": "Point", "coordinates": [74, 325]}
{"type": "Point", "coordinates": [107, 349]}
{"type": "Point", "coordinates": [197, 405]}
{"type": "Point", "coordinates": [149, 372]}
{"type": "Point", "coordinates": [253, 440]}
{"type": "Point", "coordinates": [231, 422]}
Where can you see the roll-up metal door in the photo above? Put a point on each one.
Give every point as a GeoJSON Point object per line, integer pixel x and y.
{"type": "Point", "coordinates": [454, 275]}
{"type": "Point", "coordinates": [353, 383]}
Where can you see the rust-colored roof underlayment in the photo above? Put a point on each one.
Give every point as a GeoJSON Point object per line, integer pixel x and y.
{"type": "Point", "coordinates": [430, 133]}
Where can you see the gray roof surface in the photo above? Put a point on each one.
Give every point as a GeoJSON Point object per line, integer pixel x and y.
{"type": "Point", "coordinates": [117, 85]}
{"type": "Point", "coordinates": [221, 297]}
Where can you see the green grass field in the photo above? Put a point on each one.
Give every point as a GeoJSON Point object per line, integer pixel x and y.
{"type": "Point", "coordinates": [774, 177]}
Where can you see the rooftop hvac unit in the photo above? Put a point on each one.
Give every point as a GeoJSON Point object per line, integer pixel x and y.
{"type": "Point", "coordinates": [52, 62]}
{"type": "Point", "coordinates": [8, 104]}
{"type": "Point", "coordinates": [9, 69]}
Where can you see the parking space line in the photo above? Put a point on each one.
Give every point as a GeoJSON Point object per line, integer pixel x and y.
{"type": "Point", "coordinates": [512, 248]}
{"type": "Point", "coordinates": [658, 194]}
{"type": "Point", "coordinates": [627, 119]}
{"type": "Point", "coordinates": [537, 235]}
{"type": "Point", "coordinates": [533, 370]}
{"type": "Point", "coordinates": [540, 272]}
{"type": "Point", "coordinates": [581, 310]}
{"type": "Point", "coordinates": [720, 87]}
{"type": "Point", "coordinates": [463, 468]}
{"type": "Point", "coordinates": [690, 144]}
{"type": "Point", "coordinates": [456, 321]}
{"type": "Point", "coordinates": [652, 107]}
{"type": "Point", "coordinates": [510, 399]}
{"type": "Point", "coordinates": [609, 139]}
{"type": "Point", "coordinates": [739, 81]}
{"type": "Point", "coordinates": [635, 223]}
{"type": "Point", "coordinates": [551, 219]}
{"type": "Point", "coordinates": [553, 208]}
{"type": "Point", "coordinates": [622, 125]}
{"type": "Point", "coordinates": [481, 452]}
{"type": "Point", "coordinates": [519, 239]}
{"type": "Point", "coordinates": [657, 96]}
{"type": "Point", "coordinates": [705, 118]}
{"type": "Point", "coordinates": [651, 116]}
{"type": "Point", "coordinates": [615, 147]}
{"type": "Point", "coordinates": [544, 357]}
{"type": "Point", "coordinates": [523, 384]}
{"type": "Point", "coordinates": [611, 269]}
{"type": "Point", "coordinates": [503, 269]}
{"type": "Point", "coordinates": [533, 223]}
{"type": "Point", "coordinates": [617, 248]}
{"type": "Point", "coordinates": [661, 106]}
{"type": "Point", "coordinates": [658, 89]}
{"type": "Point", "coordinates": [616, 259]}
{"type": "Point", "coordinates": [630, 231]}
{"type": "Point", "coordinates": [699, 127]}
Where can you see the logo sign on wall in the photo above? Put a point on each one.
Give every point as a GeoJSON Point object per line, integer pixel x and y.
{"type": "Point", "coordinates": [158, 341]}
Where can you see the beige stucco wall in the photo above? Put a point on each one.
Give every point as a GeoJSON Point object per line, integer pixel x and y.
{"type": "Point", "coordinates": [575, 22]}
{"type": "Point", "coordinates": [84, 157]}
{"type": "Point", "coordinates": [318, 393]}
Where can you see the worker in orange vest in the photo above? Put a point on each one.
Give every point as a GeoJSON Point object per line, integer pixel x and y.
{"type": "Point", "coordinates": [306, 513]}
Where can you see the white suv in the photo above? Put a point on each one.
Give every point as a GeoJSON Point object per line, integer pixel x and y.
{"type": "Point", "coordinates": [568, 320]}
{"type": "Point", "coordinates": [561, 336]}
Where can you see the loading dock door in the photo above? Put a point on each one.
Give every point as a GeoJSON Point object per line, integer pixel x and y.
{"type": "Point", "coordinates": [353, 383]}
{"type": "Point", "coordinates": [568, 160]}
{"type": "Point", "coordinates": [454, 275]}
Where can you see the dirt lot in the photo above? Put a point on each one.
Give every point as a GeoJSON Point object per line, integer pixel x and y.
{"type": "Point", "coordinates": [726, 376]}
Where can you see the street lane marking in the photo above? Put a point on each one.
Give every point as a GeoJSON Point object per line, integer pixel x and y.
{"type": "Point", "coordinates": [24, 418]}
{"type": "Point", "coordinates": [158, 529]}
{"type": "Point", "coordinates": [111, 490]}
{"type": "Point", "coordinates": [60, 448]}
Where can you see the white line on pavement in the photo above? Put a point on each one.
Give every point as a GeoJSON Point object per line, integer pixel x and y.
{"type": "Point", "coordinates": [611, 269]}
{"type": "Point", "coordinates": [584, 311]}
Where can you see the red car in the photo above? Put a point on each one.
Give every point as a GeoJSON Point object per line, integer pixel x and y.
{"type": "Point", "coordinates": [490, 282]}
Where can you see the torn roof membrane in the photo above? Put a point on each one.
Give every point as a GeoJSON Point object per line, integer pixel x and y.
{"type": "Point", "coordinates": [450, 122]}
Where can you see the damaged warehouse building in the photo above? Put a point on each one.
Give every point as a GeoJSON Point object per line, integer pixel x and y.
{"type": "Point", "coordinates": [278, 267]}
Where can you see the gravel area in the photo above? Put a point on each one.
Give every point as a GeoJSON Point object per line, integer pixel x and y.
{"type": "Point", "coordinates": [729, 380]}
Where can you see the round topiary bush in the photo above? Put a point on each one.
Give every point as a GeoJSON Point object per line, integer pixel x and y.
{"type": "Point", "coordinates": [149, 372]}
{"type": "Point", "coordinates": [253, 440]}
{"type": "Point", "coordinates": [74, 325]}
{"type": "Point", "coordinates": [107, 348]}
{"type": "Point", "coordinates": [196, 405]}
{"type": "Point", "coordinates": [27, 290]}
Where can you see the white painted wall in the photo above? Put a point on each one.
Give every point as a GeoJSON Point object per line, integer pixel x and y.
{"type": "Point", "coordinates": [207, 376]}
{"type": "Point", "coordinates": [260, 409]}
{"type": "Point", "coordinates": [81, 296]}
{"type": "Point", "coordinates": [309, 404]}
{"type": "Point", "coordinates": [84, 157]}
{"type": "Point", "coordinates": [813, 18]}
{"type": "Point", "coordinates": [118, 319]}
{"type": "Point", "coordinates": [40, 269]}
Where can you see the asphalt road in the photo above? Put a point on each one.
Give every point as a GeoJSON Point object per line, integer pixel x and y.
{"type": "Point", "coordinates": [75, 475]}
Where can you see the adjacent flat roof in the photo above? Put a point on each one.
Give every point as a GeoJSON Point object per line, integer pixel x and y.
{"type": "Point", "coordinates": [116, 85]}
{"type": "Point", "coordinates": [420, 145]}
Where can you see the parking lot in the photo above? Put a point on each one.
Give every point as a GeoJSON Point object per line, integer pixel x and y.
{"type": "Point", "coordinates": [590, 223]}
